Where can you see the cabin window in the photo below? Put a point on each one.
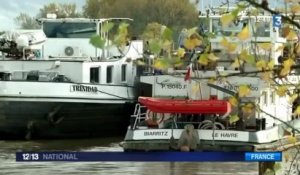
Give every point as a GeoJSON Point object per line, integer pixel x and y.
{"type": "Point", "coordinates": [123, 72]}
{"type": "Point", "coordinates": [265, 98]}
{"type": "Point", "coordinates": [69, 29]}
{"type": "Point", "coordinates": [109, 74]}
{"type": "Point", "coordinates": [273, 97]}
{"type": "Point", "coordinates": [262, 29]}
{"type": "Point", "coordinates": [94, 75]}
{"type": "Point", "coordinates": [230, 30]}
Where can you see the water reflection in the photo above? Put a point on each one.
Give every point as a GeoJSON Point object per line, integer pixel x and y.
{"type": "Point", "coordinates": [8, 165]}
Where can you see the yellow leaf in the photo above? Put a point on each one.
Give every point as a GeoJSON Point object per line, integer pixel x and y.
{"type": "Point", "coordinates": [232, 47]}
{"type": "Point", "coordinates": [237, 63]}
{"type": "Point", "coordinates": [188, 43]}
{"type": "Point", "coordinates": [281, 91]}
{"type": "Point", "coordinates": [261, 65]}
{"type": "Point", "coordinates": [212, 57]}
{"type": "Point", "coordinates": [226, 19]}
{"type": "Point", "coordinates": [266, 76]}
{"type": "Point", "coordinates": [224, 42]}
{"type": "Point", "coordinates": [295, 8]}
{"type": "Point", "coordinates": [233, 101]}
{"type": "Point", "coordinates": [181, 52]}
{"type": "Point", "coordinates": [196, 42]}
{"type": "Point", "coordinates": [233, 118]}
{"type": "Point", "coordinates": [248, 108]}
{"type": "Point", "coordinates": [291, 139]}
{"type": "Point", "coordinates": [244, 54]}
{"type": "Point", "coordinates": [244, 90]}
{"type": "Point", "coordinates": [161, 64]}
{"type": "Point", "coordinates": [288, 63]}
{"type": "Point", "coordinates": [265, 46]}
{"type": "Point", "coordinates": [292, 35]}
{"type": "Point", "coordinates": [293, 98]}
{"type": "Point", "coordinates": [244, 34]}
{"type": "Point", "coordinates": [285, 71]}
{"type": "Point", "coordinates": [297, 111]}
{"type": "Point", "coordinates": [203, 60]}
{"type": "Point", "coordinates": [271, 65]}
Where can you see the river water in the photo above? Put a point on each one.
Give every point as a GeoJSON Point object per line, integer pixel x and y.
{"type": "Point", "coordinates": [8, 165]}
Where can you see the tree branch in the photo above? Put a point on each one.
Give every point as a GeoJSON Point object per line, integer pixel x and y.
{"type": "Point", "coordinates": [273, 12]}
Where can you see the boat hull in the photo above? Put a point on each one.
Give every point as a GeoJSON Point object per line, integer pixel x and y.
{"type": "Point", "coordinates": [41, 120]}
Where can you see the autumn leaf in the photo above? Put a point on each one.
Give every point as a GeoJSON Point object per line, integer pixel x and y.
{"type": "Point", "coordinates": [233, 118]}
{"type": "Point", "coordinates": [292, 35]}
{"type": "Point", "coordinates": [248, 108]}
{"type": "Point", "coordinates": [203, 60]}
{"type": "Point", "coordinates": [261, 64]}
{"type": "Point", "coordinates": [284, 72]}
{"type": "Point", "coordinates": [291, 139]}
{"type": "Point", "coordinates": [250, 59]}
{"type": "Point", "coordinates": [295, 8]}
{"type": "Point", "coordinates": [155, 46]}
{"type": "Point", "coordinates": [244, 54]}
{"type": "Point", "coordinates": [226, 19]}
{"type": "Point", "coordinates": [271, 65]}
{"type": "Point", "coordinates": [161, 64]}
{"type": "Point", "coordinates": [288, 63]}
{"type": "Point", "coordinates": [244, 90]}
{"type": "Point", "coordinates": [265, 46]}
{"type": "Point", "coordinates": [233, 101]}
{"type": "Point", "coordinates": [266, 76]}
{"type": "Point", "coordinates": [97, 41]}
{"type": "Point", "coordinates": [181, 52]}
{"type": "Point", "coordinates": [212, 57]}
{"type": "Point", "coordinates": [107, 27]}
{"type": "Point", "coordinates": [244, 34]}
{"type": "Point", "coordinates": [281, 90]}
{"type": "Point", "coordinates": [237, 63]}
{"type": "Point", "coordinates": [224, 42]}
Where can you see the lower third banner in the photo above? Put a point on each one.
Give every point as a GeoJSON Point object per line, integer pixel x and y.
{"type": "Point", "coordinates": [149, 156]}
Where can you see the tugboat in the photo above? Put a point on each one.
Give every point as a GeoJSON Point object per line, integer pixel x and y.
{"type": "Point", "coordinates": [55, 84]}
{"type": "Point", "coordinates": [189, 109]}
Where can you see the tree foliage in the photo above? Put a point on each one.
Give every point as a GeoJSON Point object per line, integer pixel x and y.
{"type": "Point", "coordinates": [172, 13]}
{"type": "Point", "coordinates": [25, 21]}
{"type": "Point", "coordinates": [62, 10]}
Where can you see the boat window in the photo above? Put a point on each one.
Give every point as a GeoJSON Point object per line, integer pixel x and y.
{"type": "Point", "coordinates": [123, 72]}
{"type": "Point", "coordinates": [109, 74]}
{"type": "Point", "coordinates": [94, 75]}
{"type": "Point", "coordinates": [273, 97]}
{"type": "Point", "coordinates": [265, 98]}
{"type": "Point", "coordinates": [33, 76]}
{"type": "Point", "coordinates": [262, 29]}
{"type": "Point", "coordinates": [231, 30]}
{"type": "Point", "coordinates": [69, 29]}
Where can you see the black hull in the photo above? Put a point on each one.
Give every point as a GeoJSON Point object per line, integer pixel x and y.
{"type": "Point", "coordinates": [55, 120]}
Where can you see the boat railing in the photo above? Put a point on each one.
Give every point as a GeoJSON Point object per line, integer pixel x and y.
{"type": "Point", "coordinates": [138, 115]}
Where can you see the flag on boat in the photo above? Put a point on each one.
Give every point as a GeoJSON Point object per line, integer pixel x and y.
{"type": "Point", "coordinates": [188, 73]}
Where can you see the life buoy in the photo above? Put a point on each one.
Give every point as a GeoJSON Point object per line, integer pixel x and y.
{"type": "Point", "coordinates": [153, 119]}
